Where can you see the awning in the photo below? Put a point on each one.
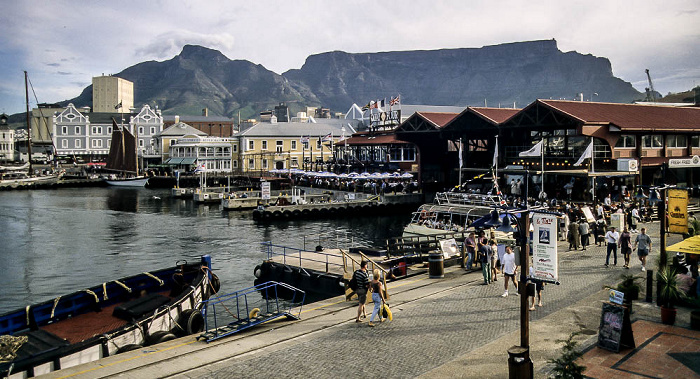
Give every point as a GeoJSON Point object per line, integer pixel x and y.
{"type": "Point", "coordinates": [688, 246]}
{"type": "Point", "coordinates": [188, 160]}
{"type": "Point", "coordinates": [173, 161]}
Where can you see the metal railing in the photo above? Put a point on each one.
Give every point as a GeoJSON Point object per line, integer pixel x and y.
{"type": "Point", "coordinates": [297, 257]}
{"type": "Point", "coordinates": [237, 311]}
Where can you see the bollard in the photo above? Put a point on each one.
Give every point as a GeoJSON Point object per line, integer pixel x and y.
{"type": "Point", "coordinates": [650, 285]}
{"type": "Point", "coordinates": [436, 266]}
{"type": "Point", "coordinates": [519, 364]}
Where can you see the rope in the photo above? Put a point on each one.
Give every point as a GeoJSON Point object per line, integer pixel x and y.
{"type": "Point", "coordinates": [27, 311]}
{"type": "Point", "coordinates": [159, 280]}
{"type": "Point", "coordinates": [55, 303]}
{"type": "Point", "coordinates": [205, 269]}
{"type": "Point", "coordinates": [104, 291]}
{"type": "Point", "coordinates": [9, 346]}
{"type": "Point", "coordinates": [123, 286]}
{"type": "Point", "coordinates": [89, 292]}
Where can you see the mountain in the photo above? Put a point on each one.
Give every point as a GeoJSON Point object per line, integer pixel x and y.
{"type": "Point", "coordinates": [504, 74]}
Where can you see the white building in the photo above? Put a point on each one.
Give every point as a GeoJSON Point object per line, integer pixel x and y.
{"type": "Point", "coordinates": [214, 154]}
{"type": "Point", "coordinates": [7, 140]}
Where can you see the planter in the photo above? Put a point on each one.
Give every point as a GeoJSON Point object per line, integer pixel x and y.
{"type": "Point", "coordinates": [695, 320]}
{"type": "Point", "coordinates": [668, 315]}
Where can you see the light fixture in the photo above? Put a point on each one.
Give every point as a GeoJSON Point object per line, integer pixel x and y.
{"type": "Point", "coordinates": [494, 221]}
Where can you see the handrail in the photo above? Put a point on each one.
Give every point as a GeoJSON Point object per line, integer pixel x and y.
{"type": "Point", "coordinates": [374, 265]}
{"type": "Point", "coordinates": [301, 258]}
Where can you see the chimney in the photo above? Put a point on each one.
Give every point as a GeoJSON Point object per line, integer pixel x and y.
{"type": "Point", "coordinates": [205, 112]}
{"type": "Point", "coordinates": [177, 119]}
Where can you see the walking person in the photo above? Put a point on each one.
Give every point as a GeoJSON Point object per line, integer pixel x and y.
{"type": "Point", "coordinates": [574, 237]}
{"type": "Point", "coordinates": [634, 218]}
{"type": "Point", "coordinates": [625, 243]}
{"type": "Point", "coordinates": [563, 227]}
{"type": "Point", "coordinates": [509, 269]}
{"type": "Point", "coordinates": [611, 237]}
{"type": "Point", "coordinates": [584, 231]}
{"type": "Point", "coordinates": [485, 252]}
{"type": "Point", "coordinates": [362, 279]}
{"type": "Point", "coordinates": [600, 227]}
{"type": "Point", "coordinates": [470, 249]}
{"type": "Point", "coordinates": [643, 245]}
{"type": "Point", "coordinates": [539, 286]}
{"type": "Point", "coordinates": [494, 259]}
{"type": "Point", "coordinates": [377, 296]}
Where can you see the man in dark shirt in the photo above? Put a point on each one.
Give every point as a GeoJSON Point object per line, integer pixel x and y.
{"type": "Point", "coordinates": [362, 280]}
{"type": "Point", "coordinates": [485, 254]}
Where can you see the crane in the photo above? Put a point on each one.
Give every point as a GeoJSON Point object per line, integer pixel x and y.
{"type": "Point", "coordinates": [651, 93]}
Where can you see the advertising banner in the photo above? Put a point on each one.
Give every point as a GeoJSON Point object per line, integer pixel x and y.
{"type": "Point", "coordinates": [265, 190]}
{"type": "Point", "coordinates": [678, 211]}
{"type": "Point", "coordinates": [544, 247]}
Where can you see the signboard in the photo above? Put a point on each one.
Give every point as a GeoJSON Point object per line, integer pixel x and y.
{"type": "Point", "coordinates": [678, 211]}
{"type": "Point", "coordinates": [611, 322]}
{"type": "Point", "coordinates": [694, 161]}
{"type": "Point", "coordinates": [616, 296]}
{"type": "Point", "coordinates": [449, 247]}
{"type": "Point", "coordinates": [544, 247]}
{"type": "Point", "coordinates": [265, 190]}
{"type": "Point", "coordinates": [618, 220]}
{"type": "Point", "coordinates": [630, 165]}
{"type": "Point", "coordinates": [390, 118]}
{"type": "Point", "coordinates": [588, 213]}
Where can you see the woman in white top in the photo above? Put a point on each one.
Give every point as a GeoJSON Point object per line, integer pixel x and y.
{"type": "Point", "coordinates": [509, 269]}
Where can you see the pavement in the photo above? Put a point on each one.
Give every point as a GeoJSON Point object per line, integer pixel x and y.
{"type": "Point", "coordinates": [450, 327]}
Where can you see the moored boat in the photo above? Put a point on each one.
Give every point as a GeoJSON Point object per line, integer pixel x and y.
{"type": "Point", "coordinates": [450, 212]}
{"type": "Point", "coordinates": [105, 320]}
{"type": "Point", "coordinates": [139, 181]}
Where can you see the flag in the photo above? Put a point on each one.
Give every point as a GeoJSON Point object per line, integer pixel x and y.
{"type": "Point", "coordinates": [118, 105]}
{"type": "Point", "coordinates": [375, 104]}
{"type": "Point", "coordinates": [327, 137]}
{"type": "Point", "coordinates": [368, 106]}
{"type": "Point", "coordinates": [588, 153]}
{"type": "Point", "coordinates": [535, 151]}
{"type": "Point", "coordinates": [304, 139]}
{"type": "Point", "coordinates": [200, 168]}
{"type": "Point", "coordinates": [382, 103]}
{"type": "Point", "coordinates": [495, 155]}
{"type": "Point", "coordinates": [460, 153]}
{"type": "Point", "coordinates": [395, 100]}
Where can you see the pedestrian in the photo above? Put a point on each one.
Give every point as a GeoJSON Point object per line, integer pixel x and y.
{"type": "Point", "coordinates": [643, 245]}
{"type": "Point", "coordinates": [634, 218]}
{"type": "Point", "coordinates": [625, 243]}
{"type": "Point", "coordinates": [362, 279]}
{"type": "Point", "coordinates": [469, 249]}
{"type": "Point", "coordinates": [485, 252]}
{"type": "Point", "coordinates": [539, 286]}
{"type": "Point", "coordinates": [584, 231]}
{"type": "Point", "coordinates": [563, 226]}
{"type": "Point", "coordinates": [611, 237]}
{"type": "Point", "coordinates": [574, 238]}
{"type": "Point", "coordinates": [600, 227]}
{"type": "Point", "coordinates": [509, 269]}
{"type": "Point", "coordinates": [377, 296]}
{"type": "Point", "coordinates": [494, 259]}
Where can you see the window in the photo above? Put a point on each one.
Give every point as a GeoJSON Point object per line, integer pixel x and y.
{"type": "Point", "coordinates": [77, 130]}
{"type": "Point", "coordinates": [626, 140]}
{"type": "Point", "coordinates": [234, 148]}
{"type": "Point", "coordinates": [654, 141]}
{"type": "Point", "coordinates": [64, 143]}
{"type": "Point", "coordinates": [109, 142]}
{"type": "Point", "coordinates": [306, 145]}
{"type": "Point", "coordinates": [153, 130]}
{"type": "Point", "coordinates": [78, 144]}
{"type": "Point", "coordinates": [97, 143]}
{"type": "Point", "coordinates": [677, 141]}
{"type": "Point", "coordinates": [251, 164]}
{"type": "Point", "coordinates": [279, 146]}
{"type": "Point", "coordinates": [140, 143]}
{"type": "Point", "coordinates": [263, 145]}
{"type": "Point", "coordinates": [140, 130]}
{"type": "Point", "coordinates": [96, 130]}
{"type": "Point", "coordinates": [295, 162]}
{"type": "Point", "coordinates": [695, 141]}
{"type": "Point", "coordinates": [294, 144]}
{"type": "Point", "coordinates": [264, 164]}
{"type": "Point", "coordinates": [318, 143]}
{"type": "Point", "coordinates": [251, 145]}
{"type": "Point", "coordinates": [64, 130]}
{"type": "Point", "coordinates": [235, 164]}
{"type": "Point", "coordinates": [109, 130]}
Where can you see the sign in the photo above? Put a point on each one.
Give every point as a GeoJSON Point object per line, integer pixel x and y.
{"type": "Point", "coordinates": [618, 221]}
{"type": "Point", "coordinates": [449, 247]}
{"type": "Point", "coordinates": [385, 118]}
{"type": "Point", "coordinates": [616, 296]}
{"type": "Point", "coordinates": [544, 247]}
{"type": "Point", "coordinates": [629, 165]}
{"type": "Point", "coordinates": [588, 213]}
{"type": "Point", "coordinates": [678, 211]}
{"type": "Point", "coordinates": [611, 322]}
{"type": "Point", "coordinates": [694, 161]}
{"type": "Point", "coordinates": [265, 190]}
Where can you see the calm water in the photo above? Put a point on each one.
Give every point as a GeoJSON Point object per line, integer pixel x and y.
{"type": "Point", "coordinates": [55, 242]}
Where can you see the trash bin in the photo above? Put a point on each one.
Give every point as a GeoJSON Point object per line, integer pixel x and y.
{"type": "Point", "coordinates": [436, 266]}
{"type": "Point", "coordinates": [519, 363]}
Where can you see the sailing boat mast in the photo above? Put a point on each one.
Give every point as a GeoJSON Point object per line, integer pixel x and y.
{"type": "Point", "coordinates": [29, 126]}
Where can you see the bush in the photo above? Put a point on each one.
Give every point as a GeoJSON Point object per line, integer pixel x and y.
{"type": "Point", "coordinates": [565, 367]}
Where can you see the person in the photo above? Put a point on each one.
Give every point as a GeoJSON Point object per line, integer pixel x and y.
{"type": "Point", "coordinates": [634, 218]}
{"type": "Point", "coordinates": [563, 226]}
{"type": "Point", "coordinates": [611, 237]}
{"type": "Point", "coordinates": [574, 238]}
{"type": "Point", "coordinates": [513, 188]}
{"type": "Point", "coordinates": [377, 290]}
{"type": "Point", "coordinates": [607, 201]}
{"type": "Point", "coordinates": [494, 258]}
{"type": "Point", "coordinates": [509, 269]}
{"type": "Point", "coordinates": [600, 211]}
{"type": "Point", "coordinates": [362, 280]}
{"type": "Point", "coordinates": [539, 286]}
{"type": "Point", "coordinates": [625, 244]}
{"type": "Point", "coordinates": [643, 245]}
{"type": "Point", "coordinates": [600, 226]}
{"type": "Point", "coordinates": [469, 248]}
{"type": "Point", "coordinates": [584, 230]}
{"type": "Point", "coordinates": [485, 252]}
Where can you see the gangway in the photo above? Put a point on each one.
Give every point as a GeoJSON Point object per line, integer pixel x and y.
{"type": "Point", "coordinates": [242, 309]}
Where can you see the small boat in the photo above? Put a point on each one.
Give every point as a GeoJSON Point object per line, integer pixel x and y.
{"type": "Point", "coordinates": [104, 320]}
{"type": "Point", "coordinates": [138, 181]}
{"type": "Point", "coordinates": [123, 158]}
{"type": "Point", "coordinates": [450, 212]}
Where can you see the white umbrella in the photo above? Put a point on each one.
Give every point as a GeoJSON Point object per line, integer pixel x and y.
{"type": "Point", "coordinates": [407, 175]}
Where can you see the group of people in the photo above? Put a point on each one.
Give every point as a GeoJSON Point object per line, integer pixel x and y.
{"type": "Point", "coordinates": [642, 243]}
{"type": "Point", "coordinates": [365, 285]}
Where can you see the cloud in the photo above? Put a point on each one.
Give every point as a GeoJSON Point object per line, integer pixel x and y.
{"type": "Point", "coordinates": [168, 44]}
{"type": "Point", "coordinates": [64, 73]}
{"type": "Point", "coordinates": [53, 64]}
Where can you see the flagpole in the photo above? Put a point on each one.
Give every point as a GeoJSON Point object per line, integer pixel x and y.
{"type": "Point", "coordinates": [593, 169]}
{"type": "Point", "coordinates": [460, 164]}
{"type": "Point", "coordinates": [542, 165]}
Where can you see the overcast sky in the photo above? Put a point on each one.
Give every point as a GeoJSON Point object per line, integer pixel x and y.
{"type": "Point", "coordinates": [63, 44]}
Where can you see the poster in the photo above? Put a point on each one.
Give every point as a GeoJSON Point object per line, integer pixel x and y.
{"type": "Point", "coordinates": [544, 247]}
{"type": "Point", "coordinates": [678, 211]}
{"type": "Point", "coordinates": [449, 247]}
{"type": "Point", "coordinates": [610, 329]}
{"type": "Point", "coordinates": [265, 190]}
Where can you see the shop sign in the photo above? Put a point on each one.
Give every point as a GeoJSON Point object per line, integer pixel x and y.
{"type": "Point", "coordinates": [544, 247]}
{"type": "Point", "coordinates": [694, 161]}
{"type": "Point", "coordinates": [678, 211]}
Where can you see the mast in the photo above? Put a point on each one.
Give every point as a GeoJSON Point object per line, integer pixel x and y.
{"type": "Point", "coordinates": [29, 125]}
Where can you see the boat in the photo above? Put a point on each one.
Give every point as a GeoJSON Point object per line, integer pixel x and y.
{"type": "Point", "coordinates": [123, 159]}
{"type": "Point", "coordinates": [104, 320]}
{"type": "Point", "coordinates": [450, 212]}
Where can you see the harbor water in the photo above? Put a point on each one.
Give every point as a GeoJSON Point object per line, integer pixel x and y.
{"type": "Point", "coordinates": [59, 241]}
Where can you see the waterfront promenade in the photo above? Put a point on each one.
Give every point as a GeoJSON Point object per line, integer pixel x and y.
{"type": "Point", "coordinates": [451, 327]}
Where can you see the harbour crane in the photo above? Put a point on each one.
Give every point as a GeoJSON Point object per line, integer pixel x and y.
{"type": "Point", "coordinates": [651, 93]}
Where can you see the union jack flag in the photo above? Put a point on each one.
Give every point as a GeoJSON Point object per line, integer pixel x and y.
{"type": "Point", "coordinates": [327, 137]}
{"type": "Point", "coordinates": [395, 100]}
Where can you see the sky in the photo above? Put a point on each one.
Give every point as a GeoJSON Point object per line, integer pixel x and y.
{"type": "Point", "coordinates": [63, 44]}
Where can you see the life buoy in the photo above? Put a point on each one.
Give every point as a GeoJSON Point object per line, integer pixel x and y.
{"type": "Point", "coordinates": [129, 347]}
{"type": "Point", "coordinates": [215, 283]}
{"type": "Point", "coordinates": [190, 321]}
{"type": "Point", "coordinates": [160, 336]}
{"type": "Point", "coordinates": [254, 313]}
{"type": "Point", "coordinates": [257, 271]}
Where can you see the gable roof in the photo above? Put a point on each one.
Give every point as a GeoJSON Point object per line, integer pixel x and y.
{"type": "Point", "coordinates": [180, 129]}
{"type": "Point", "coordinates": [321, 127]}
{"type": "Point", "coordinates": [494, 115]}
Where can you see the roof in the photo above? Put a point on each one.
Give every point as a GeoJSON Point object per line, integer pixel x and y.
{"type": "Point", "coordinates": [629, 117]}
{"type": "Point", "coordinates": [180, 129]}
{"type": "Point", "coordinates": [439, 119]}
{"type": "Point", "coordinates": [171, 118]}
{"type": "Point", "coordinates": [409, 109]}
{"type": "Point", "coordinates": [370, 139]}
{"type": "Point", "coordinates": [295, 129]}
{"type": "Point", "coordinates": [494, 115]}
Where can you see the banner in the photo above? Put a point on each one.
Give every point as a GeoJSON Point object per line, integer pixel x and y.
{"type": "Point", "coordinates": [265, 190]}
{"type": "Point", "coordinates": [678, 211]}
{"type": "Point", "coordinates": [390, 118]}
{"type": "Point", "coordinates": [544, 247]}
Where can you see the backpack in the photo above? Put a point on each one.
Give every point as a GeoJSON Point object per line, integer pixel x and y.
{"type": "Point", "coordinates": [353, 282]}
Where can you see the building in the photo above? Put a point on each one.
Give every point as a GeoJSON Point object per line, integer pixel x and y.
{"type": "Point", "coordinates": [169, 137]}
{"type": "Point", "coordinates": [7, 140]}
{"type": "Point", "coordinates": [213, 126]}
{"type": "Point", "coordinates": [213, 154]}
{"type": "Point", "coordinates": [110, 94]}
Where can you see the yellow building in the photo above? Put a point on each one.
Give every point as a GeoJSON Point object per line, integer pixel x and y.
{"type": "Point", "coordinates": [110, 94]}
